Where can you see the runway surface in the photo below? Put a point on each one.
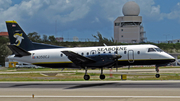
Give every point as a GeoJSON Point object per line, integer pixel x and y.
{"type": "Point", "coordinates": [91, 91]}
{"type": "Point", "coordinates": [162, 70]}
{"type": "Point", "coordinates": [92, 84]}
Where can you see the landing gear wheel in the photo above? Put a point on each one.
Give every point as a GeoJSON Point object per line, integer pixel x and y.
{"type": "Point", "coordinates": [102, 77]}
{"type": "Point", "coordinates": [157, 75]}
{"type": "Point", "coordinates": [86, 77]}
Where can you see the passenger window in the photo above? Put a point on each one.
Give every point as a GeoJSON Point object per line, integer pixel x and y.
{"type": "Point", "coordinates": [138, 52]}
{"type": "Point", "coordinates": [115, 52]}
{"type": "Point", "coordinates": [109, 52]}
{"type": "Point", "coordinates": [98, 52]}
{"type": "Point", "coordinates": [104, 52]}
{"type": "Point", "coordinates": [92, 52]}
{"type": "Point", "coordinates": [124, 52]}
{"type": "Point", "coordinates": [151, 50]}
{"type": "Point", "coordinates": [61, 55]}
{"type": "Point", "coordinates": [87, 53]}
{"type": "Point", "coordinates": [82, 53]}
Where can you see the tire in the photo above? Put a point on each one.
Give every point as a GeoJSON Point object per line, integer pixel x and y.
{"type": "Point", "coordinates": [86, 77]}
{"type": "Point", "coordinates": [102, 77]}
{"type": "Point", "coordinates": [157, 75]}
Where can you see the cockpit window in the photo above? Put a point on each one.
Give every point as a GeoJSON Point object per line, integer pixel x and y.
{"type": "Point", "coordinates": [158, 49]}
{"type": "Point", "coordinates": [151, 50]}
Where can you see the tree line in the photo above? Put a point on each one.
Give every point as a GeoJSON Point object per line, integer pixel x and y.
{"type": "Point", "coordinates": [4, 50]}
{"type": "Point", "coordinates": [167, 47]}
{"type": "Point", "coordinates": [35, 37]}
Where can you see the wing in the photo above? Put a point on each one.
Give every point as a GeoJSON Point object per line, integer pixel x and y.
{"type": "Point", "coordinates": [78, 59]}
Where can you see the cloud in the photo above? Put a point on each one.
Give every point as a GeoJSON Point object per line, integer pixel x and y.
{"type": "Point", "coordinates": [155, 13]}
{"type": "Point", "coordinates": [44, 16]}
{"type": "Point", "coordinates": [44, 11]}
{"type": "Point", "coordinates": [5, 4]}
{"type": "Point", "coordinates": [148, 10]}
{"type": "Point", "coordinates": [175, 13]}
{"type": "Point", "coordinates": [70, 10]}
{"type": "Point", "coordinates": [111, 9]}
{"type": "Point", "coordinates": [66, 11]}
{"type": "Point", "coordinates": [67, 1]}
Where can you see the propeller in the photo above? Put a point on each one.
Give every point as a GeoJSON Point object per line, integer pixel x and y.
{"type": "Point", "coordinates": [117, 56]}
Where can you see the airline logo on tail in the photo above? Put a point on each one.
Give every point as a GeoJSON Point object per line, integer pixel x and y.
{"type": "Point", "coordinates": [19, 38]}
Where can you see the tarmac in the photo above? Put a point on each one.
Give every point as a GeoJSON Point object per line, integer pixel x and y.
{"type": "Point", "coordinates": [91, 91]}
{"type": "Point", "coordinates": [162, 70]}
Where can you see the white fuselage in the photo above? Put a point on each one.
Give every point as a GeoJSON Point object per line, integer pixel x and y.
{"type": "Point", "coordinates": [131, 55]}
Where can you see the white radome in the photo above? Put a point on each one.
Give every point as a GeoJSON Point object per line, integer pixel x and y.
{"type": "Point", "coordinates": [131, 9]}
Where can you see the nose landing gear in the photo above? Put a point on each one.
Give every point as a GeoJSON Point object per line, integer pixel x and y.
{"type": "Point", "coordinates": [157, 70]}
{"type": "Point", "coordinates": [157, 75]}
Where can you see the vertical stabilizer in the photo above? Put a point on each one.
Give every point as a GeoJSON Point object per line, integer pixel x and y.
{"type": "Point", "coordinates": [18, 37]}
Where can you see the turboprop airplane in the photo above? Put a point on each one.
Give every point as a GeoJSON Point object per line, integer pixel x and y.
{"type": "Point", "coordinates": [83, 57]}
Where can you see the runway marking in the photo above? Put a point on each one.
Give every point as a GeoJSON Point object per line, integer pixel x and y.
{"type": "Point", "coordinates": [38, 96]}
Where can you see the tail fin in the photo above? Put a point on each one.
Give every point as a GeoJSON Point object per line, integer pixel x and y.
{"type": "Point", "coordinates": [18, 37]}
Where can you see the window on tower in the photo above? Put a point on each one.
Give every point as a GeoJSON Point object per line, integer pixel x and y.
{"type": "Point", "coordinates": [117, 24]}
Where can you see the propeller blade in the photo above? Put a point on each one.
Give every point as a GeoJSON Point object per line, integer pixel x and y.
{"type": "Point", "coordinates": [116, 59]}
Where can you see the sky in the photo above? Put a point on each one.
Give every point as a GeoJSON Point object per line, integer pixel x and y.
{"type": "Point", "coordinates": [84, 18]}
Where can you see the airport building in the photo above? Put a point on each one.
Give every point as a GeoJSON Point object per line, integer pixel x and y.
{"type": "Point", "coordinates": [4, 34]}
{"type": "Point", "coordinates": [128, 28]}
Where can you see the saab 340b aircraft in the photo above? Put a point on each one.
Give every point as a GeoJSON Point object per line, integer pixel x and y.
{"type": "Point", "coordinates": [83, 57]}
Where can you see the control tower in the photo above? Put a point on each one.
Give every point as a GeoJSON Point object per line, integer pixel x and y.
{"type": "Point", "coordinates": [128, 28]}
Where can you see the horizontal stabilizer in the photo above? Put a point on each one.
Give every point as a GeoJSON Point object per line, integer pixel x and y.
{"type": "Point", "coordinates": [19, 52]}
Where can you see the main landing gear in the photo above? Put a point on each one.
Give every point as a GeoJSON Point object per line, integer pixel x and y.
{"type": "Point", "coordinates": [157, 70]}
{"type": "Point", "coordinates": [102, 76]}
{"type": "Point", "coordinates": [87, 77]}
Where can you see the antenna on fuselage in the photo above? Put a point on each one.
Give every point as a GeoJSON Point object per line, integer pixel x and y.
{"type": "Point", "coordinates": [104, 44]}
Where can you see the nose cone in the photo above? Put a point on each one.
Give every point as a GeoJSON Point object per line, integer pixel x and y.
{"type": "Point", "coordinates": [170, 58]}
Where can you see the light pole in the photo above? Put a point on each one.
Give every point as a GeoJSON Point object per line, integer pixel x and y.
{"type": "Point", "coordinates": [166, 36]}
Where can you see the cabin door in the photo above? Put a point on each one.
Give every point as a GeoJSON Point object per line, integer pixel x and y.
{"type": "Point", "coordinates": [131, 56]}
